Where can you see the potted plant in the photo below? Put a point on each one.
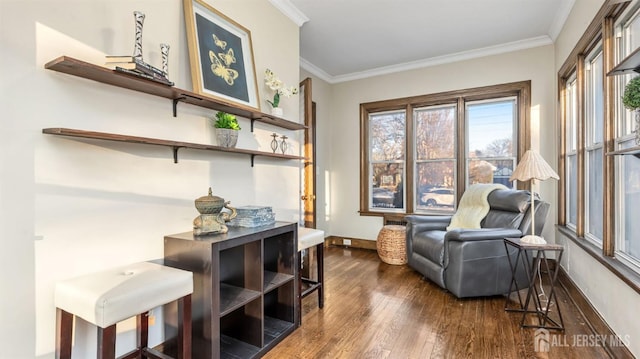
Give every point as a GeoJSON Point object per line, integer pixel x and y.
{"type": "Point", "coordinates": [227, 128]}
{"type": "Point", "coordinates": [631, 100]}
{"type": "Point", "coordinates": [275, 84]}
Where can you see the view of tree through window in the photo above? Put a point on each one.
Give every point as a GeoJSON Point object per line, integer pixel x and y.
{"type": "Point", "coordinates": [491, 147]}
{"type": "Point", "coordinates": [387, 153]}
{"type": "Point", "coordinates": [418, 155]}
{"type": "Point", "coordinates": [435, 142]}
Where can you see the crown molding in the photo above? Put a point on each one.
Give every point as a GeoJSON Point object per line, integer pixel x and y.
{"type": "Point", "coordinates": [289, 10]}
{"type": "Point", "coordinates": [560, 18]}
{"type": "Point", "coordinates": [316, 71]}
{"type": "Point", "coordinates": [434, 61]}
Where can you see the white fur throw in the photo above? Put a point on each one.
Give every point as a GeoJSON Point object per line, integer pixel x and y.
{"type": "Point", "coordinates": [474, 206]}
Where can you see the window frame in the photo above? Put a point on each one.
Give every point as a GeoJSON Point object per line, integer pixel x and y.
{"type": "Point", "coordinates": [590, 145]}
{"type": "Point", "coordinates": [521, 90]}
{"type": "Point", "coordinates": [604, 26]}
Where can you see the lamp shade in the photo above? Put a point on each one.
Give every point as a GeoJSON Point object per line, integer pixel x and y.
{"type": "Point", "coordinates": [533, 166]}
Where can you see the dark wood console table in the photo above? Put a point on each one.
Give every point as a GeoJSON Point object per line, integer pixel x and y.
{"type": "Point", "coordinates": [245, 289]}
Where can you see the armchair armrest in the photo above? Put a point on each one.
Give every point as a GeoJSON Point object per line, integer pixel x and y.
{"type": "Point", "coordinates": [427, 223]}
{"type": "Point", "coordinates": [463, 235]}
{"type": "Point", "coordinates": [417, 224]}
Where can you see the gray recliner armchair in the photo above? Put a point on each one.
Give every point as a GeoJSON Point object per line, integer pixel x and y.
{"type": "Point", "coordinates": [473, 262]}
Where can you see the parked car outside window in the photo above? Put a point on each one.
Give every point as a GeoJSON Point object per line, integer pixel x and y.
{"type": "Point", "coordinates": [438, 197]}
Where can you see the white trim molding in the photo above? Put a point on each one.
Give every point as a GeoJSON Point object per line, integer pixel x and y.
{"type": "Point", "coordinates": [434, 61]}
{"type": "Point", "coordinates": [289, 10]}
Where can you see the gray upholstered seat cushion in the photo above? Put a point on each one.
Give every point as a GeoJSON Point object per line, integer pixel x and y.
{"type": "Point", "coordinates": [430, 244]}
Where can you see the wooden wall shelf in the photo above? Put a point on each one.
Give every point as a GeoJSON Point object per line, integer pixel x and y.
{"type": "Point", "coordinates": [628, 65]}
{"type": "Point", "coordinates": [174, 145]}
{"type": "Point", "coordinates": [71, 66]}
{"type": "Point", "coordinates": [635, 151]}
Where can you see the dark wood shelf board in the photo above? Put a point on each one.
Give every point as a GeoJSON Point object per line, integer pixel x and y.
{"type": "Point", "coordinates": [154, 141]}
{"type": "Point", "coordinates": [628, 65]}
{"type": "Point", "coordinates": [72, 66]}
{"type": "Point", "coordinates": [233, 348]}
{"type": "Point", "coordinates": [273, 280]}
{"type": "Point", "coordinates": [232, 297]}
{"type": "Point", "coordinates": [274, 329]}
{"type": "Point", "coordinates": [635, 151]}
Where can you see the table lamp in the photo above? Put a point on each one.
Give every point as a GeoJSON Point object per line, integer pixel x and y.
{"type": "Point", "coordinates": [533, 167]}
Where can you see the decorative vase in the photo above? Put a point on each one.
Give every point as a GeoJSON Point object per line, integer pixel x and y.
{"type": "Point", "coordinates": [283, 144]}
{"type": "Point", "coordinates": [277, 111]}
{"type": "Point", "coordinates": [137, 49]}
{"type": "Point", "coordinates": [164, 50]}
{"type": "Point", "coordinates": [274, 142]}
{"type": "Point", "coordinates": [227, 137]}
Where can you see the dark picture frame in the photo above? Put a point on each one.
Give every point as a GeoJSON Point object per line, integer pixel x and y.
{"type": "Point", "coordinates": [220, 56]}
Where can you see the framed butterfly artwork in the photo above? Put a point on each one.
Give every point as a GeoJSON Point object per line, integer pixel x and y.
{"type": "Point", "coordinates": [220, 56]}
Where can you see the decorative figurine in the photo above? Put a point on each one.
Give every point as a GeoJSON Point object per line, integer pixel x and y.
{"type": "Point", "coordinates": [211, 218]}
{"type": "Point", "coordinates": [274, 142]}
{"type": "Point", "coordinates": [283, 144]}
{"type": "Point", "coordinates": [164, 50]}
{"type": "Point", "coordinates": [137, 50]}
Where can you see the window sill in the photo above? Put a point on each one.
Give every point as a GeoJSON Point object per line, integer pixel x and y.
{"type": "Point", "coordinates": [627, 275]}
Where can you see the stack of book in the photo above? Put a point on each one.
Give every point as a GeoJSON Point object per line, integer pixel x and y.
{"type": "Point", "coordinates": [136, 67]}
{"type": "Point", "coordinates": [253, 216]}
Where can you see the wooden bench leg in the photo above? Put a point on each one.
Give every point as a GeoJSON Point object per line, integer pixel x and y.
{"type": "Point", "coordinates": [184, 327]}
{"type": "Point", "coordinates": [107, 342]}
{"type": "Point", "coordinates": [142, 332]}
{"type": "Point", "coordinates": [299, 279]}
{"type": "Point", "coordinates": [64, 336]}
{"type": "Point", "coordinates": [320, 265]}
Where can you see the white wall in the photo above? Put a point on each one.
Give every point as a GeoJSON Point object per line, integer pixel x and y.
{"type": "Point", "coordinates": [71, 207]}
{"type": "Point", "coordinates": [344, 127]}
{"type": "Point", "coordinates": [616, 302]}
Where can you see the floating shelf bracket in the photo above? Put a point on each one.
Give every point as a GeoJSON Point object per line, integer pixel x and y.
{"type": "Point", "coordinates": [175, 105]}
{"type": "Point", "coordinates": [252, 157]}
{"type": "Point", "coordinates": [175, 153]}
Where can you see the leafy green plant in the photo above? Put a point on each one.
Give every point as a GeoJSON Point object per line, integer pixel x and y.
{"type": "Point", "coordinates": [631, 97]}
{"type": "Point", "coordinates": [226, 120]}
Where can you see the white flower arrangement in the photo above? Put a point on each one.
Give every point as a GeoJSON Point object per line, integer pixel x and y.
{"type": "Point", "coordinates": [275, 84]}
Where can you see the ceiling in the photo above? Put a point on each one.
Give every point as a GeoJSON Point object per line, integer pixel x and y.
{"type": "Point", "coordinates": [342, 40]}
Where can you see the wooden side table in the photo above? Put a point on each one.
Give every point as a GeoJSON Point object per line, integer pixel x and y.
{"type": "Point", "coordinates": [535, 261]}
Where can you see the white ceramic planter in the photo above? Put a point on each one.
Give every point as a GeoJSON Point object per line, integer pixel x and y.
{"type": "Point", "coordinates": [277, 111]}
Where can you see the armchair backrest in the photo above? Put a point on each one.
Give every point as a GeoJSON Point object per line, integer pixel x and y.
{"type": "Point", "coordinates": [511, 209]}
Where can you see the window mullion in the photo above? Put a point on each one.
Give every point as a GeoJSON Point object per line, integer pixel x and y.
{"type": "Point", "coordinates": [409, 161]}
{"type": "Point", "coordinates": [580, 123]}
{"type": "Point", "coordinates": [608, 181]}
{"type": "Point", "coordinates": [461, 136]}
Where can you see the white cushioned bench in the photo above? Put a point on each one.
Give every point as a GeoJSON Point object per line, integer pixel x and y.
{"type": "Point", "coordinates": [108, 297]}
{"type": "Point", "coordinates": [307, 238]}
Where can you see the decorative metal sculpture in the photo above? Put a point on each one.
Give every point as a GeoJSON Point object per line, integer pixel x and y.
{"type": "Point", "coordinates": [137, 50]}
{"type": "Point", "coordinates": [211, 218]}
{"type": "Point", "coordinates": [164, 50]}
{"type": "Point", "coordinates": [274, 142]}
{"type": "Point", "coordinates": [284, 144]}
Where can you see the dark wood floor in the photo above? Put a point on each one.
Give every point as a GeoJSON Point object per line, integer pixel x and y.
{"type": "Point", "coordinates": [376, 310]}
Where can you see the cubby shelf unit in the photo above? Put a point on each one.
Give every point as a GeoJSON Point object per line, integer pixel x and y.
{"type": "Point", "coordinates": [246, 287]}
